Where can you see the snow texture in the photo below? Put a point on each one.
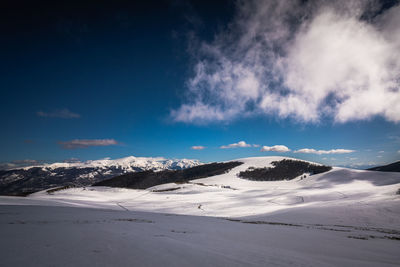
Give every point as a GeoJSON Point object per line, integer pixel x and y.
{"type": "Point", "coordinates": [343, 217]}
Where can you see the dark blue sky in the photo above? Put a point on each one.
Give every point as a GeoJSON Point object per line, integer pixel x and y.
{"type": "Point", "coordinates": [121, 71]}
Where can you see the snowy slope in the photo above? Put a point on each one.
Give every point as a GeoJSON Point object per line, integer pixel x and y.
{"type": "Point", "coordinates": [227, 195]}
{"type": "Point", "coordinates": [65, 236]}
{"type": "Point", "coordinates": [343, 217]}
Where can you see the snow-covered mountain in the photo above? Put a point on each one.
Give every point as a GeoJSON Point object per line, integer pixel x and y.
{"type": "Point", "coordinates": [341, 217]}
{"type": "Point", "coordinates": [229, 195]}
{"type": "Point", "coordinates": [34, 178]}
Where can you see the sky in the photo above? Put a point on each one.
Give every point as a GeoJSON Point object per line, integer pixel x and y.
{"type": "Point", "coordinates": [207, 80]}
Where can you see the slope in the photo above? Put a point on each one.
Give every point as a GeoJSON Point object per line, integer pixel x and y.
{"type": "Point", "coordinates": [342, 217]}
{"type": "Point", "coordinates": [393, 167]}
{"type": "Point", "coordinates": [338, 196]}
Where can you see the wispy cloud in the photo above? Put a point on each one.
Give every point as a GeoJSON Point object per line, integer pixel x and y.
{"type": "Point", "coordinates": [305, 60]}
{"type": "Point", "coordinates": [395, 138]}
{"type": "Point", "coordinates": [198, 147]}
{"type": "Point", "coordinates": [60, 113]}
{"type": "Point", "coordinates": [321, 152]}
{"type": "Point", "coordinates": [380, 152]}
{"type": "Point", "coordinates": [236, 145]}
{"type": "Point", "coordinates": [71, 160]}
{"type": "Point", "coordinates": [7, 166]}
{"type": "Point", "coordinates": [85, 143]}
{"type": "Point", "coordinates": [361, 165]}
{"type": "Point", "coordinates": [276, 148]}
{"type": "Point", "coordinates": [26, 162]}
{"type": "Point", "coordinates": [19, 164]}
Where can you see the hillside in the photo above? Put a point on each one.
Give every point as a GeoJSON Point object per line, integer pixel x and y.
{"type": "Point", "coordinates": [341, 217]}
{"type": "Point", "coordinates": [231, 196]}
{"type": "Point", "coordinates": [146, 179]}
{"type": "Point", "coordinates": [285, 169]}
{"type": "Point", "coordinates": [36, 178]}
{"type": "Point", "coordinates": [393, 167]}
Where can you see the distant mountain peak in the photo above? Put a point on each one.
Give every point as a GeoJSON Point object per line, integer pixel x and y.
{"type": "Point", "coordinates": [127, 163]}
{"type": "Point", "coordinates": [39, 177]}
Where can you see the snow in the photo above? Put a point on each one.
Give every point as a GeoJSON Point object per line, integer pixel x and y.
{"type": "Point", "coordinates": [11, 178]}
{"type": "Point", "coordinates": [127, 163]}
{"type": "Point", "coordinates": [343, 217]}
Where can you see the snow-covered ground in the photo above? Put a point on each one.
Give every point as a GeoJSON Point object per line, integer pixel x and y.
{"type": "Point", "coordinates": [342, 217]}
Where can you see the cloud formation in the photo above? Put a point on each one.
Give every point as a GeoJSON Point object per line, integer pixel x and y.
{"type": "Point", "coordinates": [19, 164]}
{"type": "Point", "coordinates": [71, 160]}
{"type": "Point", "coordinates": [60, 113]}
{"type": "Point", "coordinates": [305, 60]}
{"type": "Point", "coordinates": [276, 148]}
{"type": "Point", "coordinates": [236, 145]}
{"type": "Point", "coordinates": [85, 143]}
{"type": "Point", "coordinates": [361, 165]}
{"type": "Point", "coordinates": [198, 147]}
{"type": "Point", "coordinates": [26, 162]}
{"type": "Point", "coordinates": [320, 152]}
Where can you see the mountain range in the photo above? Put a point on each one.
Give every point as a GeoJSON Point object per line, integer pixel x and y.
{"type": "Point", "coordinates": [262, 211]}
{"type": "Point", "coordinates": [23, 181]}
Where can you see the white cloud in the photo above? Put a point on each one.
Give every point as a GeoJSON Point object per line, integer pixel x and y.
{"type": "Point", "coordinates": [235, 145]}
{"type": "Point", "coordinates": [381, 152]}
{"type": "Point", "coordinates": [198, 147]}
{"type": "Point", "coordinates": [85, 143]}
{"type": "Point", "coordinates": [379, 156]}
{"type": "Point", "coordinates": [60, 113]}
{"type": "Point", "coordinates": [398, 151]}
{"type": "Point", "coordinates": [276, 148]}
{"type": "Point", "coordinates": [303, 61]}
{"type": "Point", "coordinates": [320, 152]}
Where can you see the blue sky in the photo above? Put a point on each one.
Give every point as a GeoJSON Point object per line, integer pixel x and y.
{"type": "Point", "coordinates": [95, 81]}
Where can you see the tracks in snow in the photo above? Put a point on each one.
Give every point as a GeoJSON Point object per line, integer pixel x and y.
{"type": "Point", "coordinates": [357, 232]}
